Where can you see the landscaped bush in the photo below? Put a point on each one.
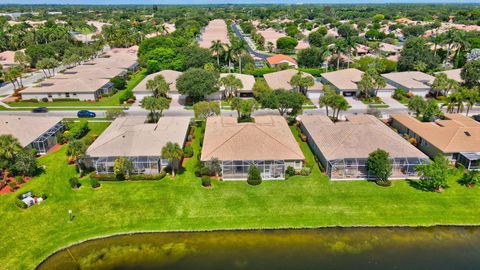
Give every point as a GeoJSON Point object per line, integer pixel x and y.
{"type": "Point", "coordinates": [254, 177]}
{"type": "Point", "coordinates": [74, 183]}
{"type": "Point", "coordinates": [399, 94]}
{"type": "Point", "coordinates": [259, 72]}
{"type": "Point", "coordinates": [119, 82]}
{"type": "Point", "coordinates": [111, 177]}
{"type": "Point", "coordinates": [65, 99]}
{"type": "Point", "coordinates": [188, 151]}
{"type": "Point", "coordinates": [76, 130]}
{"type": "Point", "coordinates": [19, 179]}
{"type": "Point", "coordinates": [94, 183]}
{"type": "Point", "coordinates": [289, 172]}
{"type": "Point", "coordinates": [12, 185]}
{"type": "Point", "coordinates": [126, 95]}
{"type": "Point", "coordinates": [20, 204]}
{"type": "Point", "coordinates": [305, 171]}
{"type": "Point", "coordinates": [206, 181]}
{"type": "Point", "coordinates": [201, 169]}
{"type": "Point", "coordinates": [44, 99]}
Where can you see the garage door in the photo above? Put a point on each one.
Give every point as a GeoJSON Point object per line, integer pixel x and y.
{"type": "Point", "coordinates": [384, 93]}
{"type": "Point", "coordinates": [314, 96]}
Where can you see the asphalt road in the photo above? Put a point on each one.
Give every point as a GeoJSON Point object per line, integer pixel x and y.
{"type": "Point", "coordinates": [251, 50]}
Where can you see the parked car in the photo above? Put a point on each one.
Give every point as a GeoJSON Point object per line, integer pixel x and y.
{"type": "Point", "coordinates": [477, 117]}
{"type": "Point", "coordinates": [86, 114]}
{"type": "Point", "coordinates": [40, 110]}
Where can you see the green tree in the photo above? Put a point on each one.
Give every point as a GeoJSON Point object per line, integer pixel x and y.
{"type": "Point", "coordinates": [471, 97]}
{"type": "Point", "coordinates": [197, 83]}
{"type": "Point", "coordinates": [301, 82]}
{"type": "Point", "coordinates": [9, 148]}
{"type": "Point", "coordinates": [173, 153]}
{"type": "Point", "coordinates": [240, 49]}
{"type": "Point", "coordinates": [454, 103]}
{"type": "Point", "coordinates": [431, 111]}
{"type": "Point", "coordinates": [316, 38]}
{"type": "Point", "coordinates": [123, 168]}
{"type": "Point", "coordinates": [417, 104]}
{"type": "Point", "coordinates": [196, 57]}
{"type": "Point", "coordinates": [286, 44]}
{"type": "Point", "coordinates": [217, 49]}
{"type": "Point", "coordinates": [261, 88]}
{"type": "Point", "coordinates": [439, 84]}
{"type": "Point", "coordinates": [254, 177]}
{"type": "Point", "coordinates": [286, 102]}
{"type": "Point", "coordinates": [156, 106]}
{"type": "Point", "coordinates": [77, 150]}
{"type": "Point", "coordinates": [379, 164]}
{"type": "Point", "coordinates": [244, 107]}
{"type": "Point", "coordinates": [434, 174]}
{"type": "Point", "coordinates": [231, 85]}
{"type": "Point", "coordinates": [22, 59]}
{"type": "Point", "coordinates": [204, 109]}
{"type": "Point", "coordinates": [416, 50]}
{"type": "Point", "coordinates": [25, 163]}
{"type": "Point", "coordinates": [470, 73]}
{"type": "Point", "coordinates": [158, 86]}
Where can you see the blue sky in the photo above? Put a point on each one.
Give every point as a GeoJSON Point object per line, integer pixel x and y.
{"type": "Point", "coordinates": [150, 2]}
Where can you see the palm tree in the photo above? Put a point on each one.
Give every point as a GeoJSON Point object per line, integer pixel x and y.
{"type": "Point", "coordinates": [339, 48]}
{"type": "Point", "coordinates": [156, 106]}
{"type": "Point", "coordinates": [9, 147]}
{"type": "Point", "coordinates": [231, 85]}
{"type": "Point", "coordinates": [173, 153]}
{"type": "Point", "coordinates": [351, 45]}
{"type": "Point", "coordinates": [229, 56]}
{"type": "Point", "coordinates": [217, 48]}
{"type": "Point", "coordinates": [77, 149]}
{"type": "Point", "coordinates": [471, 97]}
{"type": "Point", "coordinates": [240, 48]}
{"type": "Point", "coordinates": [449, 38]}
{"type": "Point", "coordinates": [454, 100]}
{"type": "Point", "coordinates": [158, 86]}
{"type": "Point", "coordinates": [461, 42]}
{"type": "Point", "coordinates": [440, 83]}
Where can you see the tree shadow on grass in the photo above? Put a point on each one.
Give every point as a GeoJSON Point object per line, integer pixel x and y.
{"type": "Point", "coordinates": [420, 185]}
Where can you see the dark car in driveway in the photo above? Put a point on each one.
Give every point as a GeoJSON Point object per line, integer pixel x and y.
{"type": "Point", "coordinates": [86, 114]}
{"type": "Point", "coordinates": [477, 117]}
{"type": "Point", "coordinates": [40, 110]}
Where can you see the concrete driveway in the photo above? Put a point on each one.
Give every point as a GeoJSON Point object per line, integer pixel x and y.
{"type": "Point", "coordinates": [355, 103]}
{"type": "Point", "coordinates": [393, 103]}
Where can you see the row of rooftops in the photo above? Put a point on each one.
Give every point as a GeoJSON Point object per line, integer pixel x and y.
{"type": "Point", "coordinates": [90, 76]}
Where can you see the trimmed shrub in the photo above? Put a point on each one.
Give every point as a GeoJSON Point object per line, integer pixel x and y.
{"type": "Point", "coordinates": [74, 183]}
{"type": "Point", "coordinates": [206, 181]}
{"type": "Point", "coordinates": [201, 169]}
{"type": "Point", "coordinates": [44, 99]}
{"type": "Point", "coordinates": [254, 177]}
{"type": "Point", "coordinates": [188, 151]}
{"type": "Point", "coordinates": [384, 183]}
{"type": "Point", "coordinates": [20, 204]}
{"type": "Point", "coordinates": [94, 183]}
{"type": "Point", "coordinates": [289, 172]}
{"type": "Point", "coordinates": [119, 82]}
{"type": "Point", "coordinates": [305, 171]}
{"type": "Point", "coordinates": [19, 179]}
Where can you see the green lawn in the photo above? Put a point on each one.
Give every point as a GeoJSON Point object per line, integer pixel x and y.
{"type": "Point", "coordinates": [113, 100]}
{"type": "Point", "coordinates": [182, 204]}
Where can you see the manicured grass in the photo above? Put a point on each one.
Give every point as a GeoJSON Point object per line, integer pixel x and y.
{"type": "Point", "coordinates": [182, 204]}
{"type": "Point", "coordinates": [113, 100]}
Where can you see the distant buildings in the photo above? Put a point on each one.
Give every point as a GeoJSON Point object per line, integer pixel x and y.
{"type": "Point", "coordinates": [215, 30]}
{"type": "Point", "coordinates": [278, 59]}
{"type": "Point", "coordinates": [170, 77]}
{"type": "Point", "coordinates": [38, 133]}
{"type": "Point", "coordinates": [417, 82]}
{"type": "Point", "coordinates": [343, 147]}
{"type": "Point", "coordinates": [266, 143]}
{"type": "Point", "coordinates": [281, 80]}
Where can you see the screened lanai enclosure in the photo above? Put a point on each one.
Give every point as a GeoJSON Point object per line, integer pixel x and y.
{"type": "Point", "coordinates": [356, 168]}
{"type": "Point", "coordinates": [470, 160]}
{"type": "Point", "coordinates": [238, 169]}
{"type": "Point", "coordinates": [48, 139]}
{"type": "Point", "coordinates": [141, 164]}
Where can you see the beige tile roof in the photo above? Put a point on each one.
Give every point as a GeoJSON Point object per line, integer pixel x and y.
{"type": "Point", "coordinates": [247, 81]}
{"type": "Point", "coordinates": [269, 138]}
{"type": "Point", "coordinates": [453, 74]}
{"type": "Point", "coordinates": [7, 58]}
{"type": "Point", "coordinates": [356, 138]}
{"type": "Point", "coordinates": [26, 128]}
{"type": "Point", "coordinates": [89, 77]}
{"type": "Point", "coordinates": [347, 79]}
{"type": "Point", "coordinates": [411, 79]}
{"type": "Point", "coordinates": [215, 30]}
{"type": "Point", "coordinates": [170, 77]}
{"type": "Point", "coordinates": [280, 80]}
{"type": "Point", "coordinates": [130, 136]}
{"type": "Point", "coordinates": [457, 133]}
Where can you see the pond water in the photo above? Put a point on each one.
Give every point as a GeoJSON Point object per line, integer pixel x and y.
{"type": "Point", "coordinates": [332, 248]}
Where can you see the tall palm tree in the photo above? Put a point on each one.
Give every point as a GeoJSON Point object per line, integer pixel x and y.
{"type": "Point", "coordinates": [229, 56]}
{"type": "Point", "coordinates": [9, 147]}
{"type": "Point", "coordinates": [471, 97]}
{"type": "Point", "coordinates": [339, 48]}
{"type": "Point", "coordinates": [217, 48]}
{"type": "Point", "coordinates": [173, 153]}
{"type": "Point", "coordinates": [449, 39]}
{"type": "Point", "coordinates": [351, 45]}
{"type": "Point", "coordinates": [240, 48]}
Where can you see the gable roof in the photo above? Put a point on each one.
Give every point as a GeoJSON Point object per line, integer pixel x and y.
{"type": "Point", "coordinates": [170, 77]}
{"type": "Point", "coordinates": [278, 58]}
{"type": "Point", "coordinates": [411, 79]}
{"type": "Point", "coordinates": [281, 80]}
{"type": "Point", "coordinates": [356, 138]}
{"type": "Point", "coordinates": [457, 133]}
{"type": "Point", "coordinates": [26, 128]}
{"type": "Point", "coordinates": [453, 74]}
{"type": "Point", "coordinates": [347, 79]}
{"type": "Point", "coordinates": [269, 138]}
{"type": "Point", "coordinates": [130, 136]}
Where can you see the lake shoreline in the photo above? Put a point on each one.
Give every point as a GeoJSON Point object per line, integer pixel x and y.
{"type": "Point", "coordinates": [257, 229]}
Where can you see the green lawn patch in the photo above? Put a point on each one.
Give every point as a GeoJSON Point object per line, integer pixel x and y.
{"type": "Point", "coordinates": [182, 204]}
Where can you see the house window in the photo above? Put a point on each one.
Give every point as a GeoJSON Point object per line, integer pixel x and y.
{"type": "Point", "coordinates": [67, 95]}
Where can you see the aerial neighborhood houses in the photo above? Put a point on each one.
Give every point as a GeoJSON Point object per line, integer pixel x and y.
{"type": "Point", "coordinates": [281, 80]}
{"type": "Point", "coordinates": [278, 59]}
{"type": "Point", "coordinates": [170, 77]}
{"type": "Point", "coordinates": [39, 133]}
{"type": "Point", "coordinates": [416, 82]}
{"type": "Point", "coordinates": [130, 137]}
{"type": "Point", "coordinates": [87, 81]}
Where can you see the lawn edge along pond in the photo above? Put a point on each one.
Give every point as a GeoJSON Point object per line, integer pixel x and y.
{"type": "Point", "coordinates": [182, 204]}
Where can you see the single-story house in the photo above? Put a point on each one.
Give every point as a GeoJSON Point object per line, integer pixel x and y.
{"type": "Point", "coordinates": [141, 142]}
{"type": "Point", "coordinates": [266, 143]}
{"type": "Point", "coordinates": [278, 59]}
{"type": "Point", "coordinates": [247, 81]}
{"type": "Point", "coordinates": [281, 80]}
{"type": "Point", "coordinates": [35, 132]}
{"type": "Point", "coordinates": [346, 81]}
{"type": "Point", "coordinates": [453, 74]}
{"type": "Point", "coordinates": [85, 82]}
{"type": "Point", "coordinates": [170, 77]}
{"type": "Point", "coordinates": [343, 147]}
{"type": "Point", "coordinates": [7, 59]}
{"type": "Point", "coordinates": [457, 137]}
{"type": "Point", "coordinates": [416, 82]}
